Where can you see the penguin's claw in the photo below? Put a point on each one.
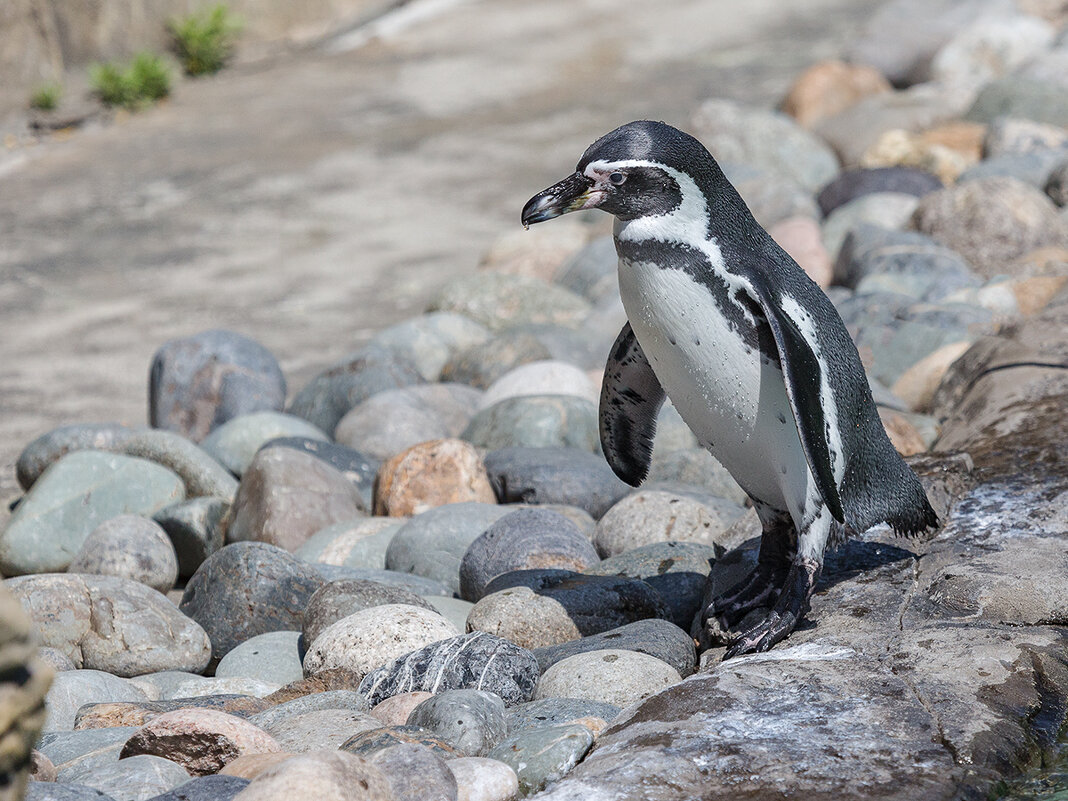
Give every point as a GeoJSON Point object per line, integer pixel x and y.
{"type": "Point", "coordinates": [760, 589]}
{"type": "Point", "coordinates": [792, 605]}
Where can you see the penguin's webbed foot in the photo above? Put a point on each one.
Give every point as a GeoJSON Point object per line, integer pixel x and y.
{"type": "Point", "coordinates": [759, 590]}
{"type": "Point", "coordinates": [792, 604]}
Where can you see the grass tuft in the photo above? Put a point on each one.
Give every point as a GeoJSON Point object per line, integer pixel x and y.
{"type": "Point", "coordinates": [144, 80]}
{"type": "Point", "coordinates": [46, 97]}
{"type": "Point", "coordinates": [204, 41]}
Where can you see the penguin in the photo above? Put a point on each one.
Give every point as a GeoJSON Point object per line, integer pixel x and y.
{"type": "Point", "coordinates": [754, 357]}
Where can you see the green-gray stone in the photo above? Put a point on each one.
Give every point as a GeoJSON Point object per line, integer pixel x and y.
{"type": "Point", "coordinates": [71, 498]}
{"type": "Point", "coordinates": [203, 475]}
{"type": "Point", "coordinates": [1022, 98]}
{"type": "Point", "coordinates": [540, 756]}
{"type": "Point", "coordinates": [536, 421]}
{"type": "Point", "coordinates": [235, 442]}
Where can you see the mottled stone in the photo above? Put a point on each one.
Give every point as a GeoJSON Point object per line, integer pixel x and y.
{"type": "Point", "coordinates": [246, 589]}
{"type": "Point", "coordinates": [276, 715]}
{"type": "Point", "coordinates": [372, 742]}
{"type": "Point", "coordinates": [358, 543]}
{"type": "Point", "coordinates": [558, 711]}
{"type": "Point", "coordinates": [891, 210]}
{"type": "Point", "coordinates": [554, 475]}
{"type": "Point", "coordinates": [325, 775]}
{"type": "Point", "coordinates": [392, 421]}
{"type": "Point", "coordinates": [272, 657]}
{"type": "Point", "coordinates": [74, 496]}
{"type": "Point", "coordinates": [416, 773]}
{"type": "Point", "coordinates": [199, 382]}
{"type": "Point", "coordinates": [359, 468]}
{"type": "Point", "coordinates": [475, 661]}
{"type": "Point", "coordinates": [132, 547]}
{"type": "Point", "coordinates": [768, 140]}
{"type": "Point", "coordinates": [205, 788]}
{"type": "Point", "coordinates": [431, 474]}
{"type": "Point", "coordinates": [541, 756]}
{"type": "Point", "coordinates": [612, 676]}
{"type": "Point", "coordinates": [338, 679]}
{"type": "Point", "coordinates": [991, 221]}
{"type": "Point", "coordinates": [394, 711]}
{"type": "Point", "coordinates": [433, 543]}
{"type": "Point", "coordinates": [325, 399]}
{"type": "Point", "coordinates": [504, 301]}
{"type": "Point", "coordinates": [536, 421]}
{"type": "Point", "coordinates": [344, 597]}
{"type": "Point", "coordinates": [481, 779]}
{"type": "Point", "coordinates": [111, 623]}
{"type": "Point", "coordinates": [990, 48]}
{"type": "Point", "coordinates": [430, 340]}
{"type": "Point", "coordinates": [373, 637]}
{"type": "Point", "coordinates": [649, 516]}
{"type": "Point", "coordinates": [525, 538]}
{"type": "Point", "coordinates": [200, 740]}
{"type": "Point", "coordinates": [320, 729]}
{"type": "Point", "coordinates": [535, 608]}
{"type": "Point", "coordinates": [592, 271]}
{"type": "Point", "coordinates": [472, 721]}
{"type": "Point", "coordinates": [286, 496]}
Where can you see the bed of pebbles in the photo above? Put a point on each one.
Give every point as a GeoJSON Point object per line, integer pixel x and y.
{"type": "Point", "coordinates": [415, 577]}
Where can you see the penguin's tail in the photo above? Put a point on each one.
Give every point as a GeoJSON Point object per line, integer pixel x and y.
{"type": "Point", "coordinates": [915, 519]}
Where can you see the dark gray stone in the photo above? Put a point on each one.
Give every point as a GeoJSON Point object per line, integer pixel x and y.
{"type": "Point", "coordinates": [63, 746]}
{"type": "Point", "coordinates": [536, 421]}
{"type": "Point", "coordinates": [197, 383]}
{"type": "Point", "coordinates": [525, 538]}
{"type": "Point", "coordinates": [52, 791]}
{"type": "Point", "coordinates": [475, 661]}
{"type": "Point", "coordinates": [851, 184]}
{"type": "Point", "coordinates": [541, 756]}
{"type": "Point", "coordinates": [655, 637]}
{"type": "Point", "coordinates": [135, 778]}
{"type": "Point", "coordinates": [197, 529]}
{"type": "Point", "coordinates": [1057, 185]}
{"type": "Point", "coordinates": [557, 711]}
{"type": "Point", "coordinates": [339, 599]}
{"type": "Point", "coordinates": [554, 475]}
{"type": "Point", "coordinates": [593, 271]}
{"type": "Point", "coordinates": [48, 448]}
{"type": "Point", "coordinates": [246, 589]}
{"type": "Point", "coordinates": [592, 604]}
{"type": "Point", "coordinates": [480, 365]}
{"type": "Point", "coordinates": [472, 721]}
{"type": "Point", "coordinates": [325, 399]}
{"type": "Point", "coordinates": [205, 788]}
{"type": "Point", "coordinates": [416, 773]}
{"type": "Point", "coordinates": [359, 468]}
{"type": "Point", "coordinates": [432, 544]}
{"type": "Point", "coordinates": [369, 743]}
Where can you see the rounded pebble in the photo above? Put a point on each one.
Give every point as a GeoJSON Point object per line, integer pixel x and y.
{"type": "Point", "coordinates": [131, 547]}
{"type": "Point", "coordinates": [345, 597]}
{"type": "Point", "coordinates": [431, 474]}
{"type": "Point", "coordinates": [272, 657]}
{"type": "Point", "coordinates": [482, 779]}
{"type": "Point", "coordinates": [472, 721]}
{"type": "Point", "coordinates": [611, 676]}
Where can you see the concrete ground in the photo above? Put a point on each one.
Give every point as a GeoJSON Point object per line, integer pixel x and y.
{"type": "Point", "coordinates": [313, 199]}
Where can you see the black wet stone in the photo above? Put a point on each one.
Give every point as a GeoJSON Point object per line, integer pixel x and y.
{"type": "Point", "coordinates": [344, 597]}
{"type": "Point", "coordinates": [359, 468]}
{"type": "Point", "coordinates": [554, 475]}
{"type": "Point", "coordinates": [205, 788]}
{"type": "Point", "coordinates": [48, 448]}
{"type": "Point", "coordinates": [475, 661]}
{"type": "Point", "coordinates": [325, 399]}
{"type": "Point", "coordinates": [525, 538]}
{"type": "Point", "coordinates": [368, 743]}
{"type": "Point", "coordinates": [851, 184]}
{"type": "Point", "coordinates": [557, 711]}
{"type": "Point", "coordinates": [594, 604]}
{"type": "Point", "coordinates": [655, 637]}
{"type": "Point", "coordinates": [472, 721]}
{"type": "Point", "coordinates": [197, 529]}
{"type": "Point", "coordinates": [198, 383]}
{"type": "Point", "coordinates": [246, 589]}
{"type": "Point", "coordinates": [677, 570]}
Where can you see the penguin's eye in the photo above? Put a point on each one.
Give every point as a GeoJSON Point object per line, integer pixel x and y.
{"type": "Point", "coordinates": [617, 178]}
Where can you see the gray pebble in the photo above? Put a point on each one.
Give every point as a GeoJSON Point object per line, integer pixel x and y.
{"type": "Point", "coordinates": [339, 599]}
{"type": "Point", "coordinates": [196, 528]}
{"type": "Point", "coordinates": [653, 636]}
{"type": "Point", "coordinates": [416, 773]}
{"type": "Point", "coordinates": [131, 547]}
{"type": "Point", "coordinates": [540, 756]}
{"type": "Point", "coordinates": [472, 721]}
{"type": "Point", "coordinates": [271, 657]}
{"type": "Point", "coordinates": [557, 711]}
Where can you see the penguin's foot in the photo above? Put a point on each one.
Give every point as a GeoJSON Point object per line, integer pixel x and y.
{"type": "Point", "coordinates": [791, 606]}
{"type": "Point", "coordinates": [759, 590]}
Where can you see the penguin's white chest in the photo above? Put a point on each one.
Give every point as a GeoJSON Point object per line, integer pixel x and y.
{"type": "Point", "coordinates": [731, 398]}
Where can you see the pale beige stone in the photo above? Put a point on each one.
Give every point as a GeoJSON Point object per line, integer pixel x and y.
{"type": "Point", "coordinates": [828, 87]}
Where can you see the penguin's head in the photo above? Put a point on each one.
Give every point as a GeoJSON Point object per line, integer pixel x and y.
{"type": "Point", "coordinates": [640, 169]}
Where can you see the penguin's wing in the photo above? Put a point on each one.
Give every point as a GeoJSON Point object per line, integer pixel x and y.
{"type": "Point", "coordinates": [803, 372]}
{"type": "Point", "coordinates": [631, 397]}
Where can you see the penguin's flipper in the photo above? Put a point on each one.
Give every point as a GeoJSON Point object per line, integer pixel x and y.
{"type": "Point", "coordinates": [802, 371]}
{"type": "Point", "coordinates": [631, 397]}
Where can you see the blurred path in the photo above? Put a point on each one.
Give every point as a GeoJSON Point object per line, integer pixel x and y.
{"type": "Point", "coordinates": [310, 201]}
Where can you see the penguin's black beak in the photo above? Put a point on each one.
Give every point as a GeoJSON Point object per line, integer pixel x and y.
{"type": "Point", "coordinates": [571, 194]}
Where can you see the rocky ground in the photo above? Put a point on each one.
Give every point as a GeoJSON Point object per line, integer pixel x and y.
{"type": "Point", "coordinates": [412, 573]}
